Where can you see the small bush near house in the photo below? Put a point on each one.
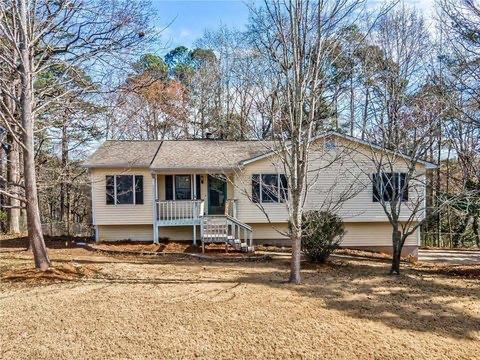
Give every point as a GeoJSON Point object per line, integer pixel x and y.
{"type": "Point", "coordinates": [322, 232]}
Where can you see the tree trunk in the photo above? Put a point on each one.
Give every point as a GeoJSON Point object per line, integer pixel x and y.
{"type": "Point", "coordinates": [296, 238]}
{"type": "Point", "coordinates": [476, 230]}
{"type": "Point", "coordinates": [459, 231]}
{"type": "Point", "coordinates": [397, 251]}
{"type": "Point", "coordinates": [37, 243]}
{"type": "Point", "coordinates": [13, 173]}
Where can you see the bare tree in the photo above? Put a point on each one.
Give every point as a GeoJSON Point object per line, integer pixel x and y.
{"type": "Point", "coordinates": [46, 36]}
{"type": "Point", "coordinates": [297, 41]}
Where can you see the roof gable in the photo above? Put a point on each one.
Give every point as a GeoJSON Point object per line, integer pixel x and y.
{"type": "Point", "coordinates": [427, 164]}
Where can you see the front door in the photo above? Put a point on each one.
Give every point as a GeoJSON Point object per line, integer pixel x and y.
{"type": "Point", "coordinates": [217, 194]}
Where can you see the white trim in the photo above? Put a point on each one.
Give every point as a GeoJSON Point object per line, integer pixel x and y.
{"type": "Point", "coordinates": [154, 207]}
{"type": "Point", "coordinates": [260, 200]}
{"type": "Point", "coordinates": [134, 176]}
{"type": "Point", "coordinates": [427, 164]}
{"type": "Point", "coordinates": [94, 222]}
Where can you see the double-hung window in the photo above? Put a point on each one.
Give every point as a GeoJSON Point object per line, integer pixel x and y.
{"type": "Point", "coordinates": [124, 189]}
{"type": "Point", "coordinates": [269, 188]}
{"type": "Point", "coordinates": [180, 187]}
{"type": "Point", "coordinates": [389, 187]}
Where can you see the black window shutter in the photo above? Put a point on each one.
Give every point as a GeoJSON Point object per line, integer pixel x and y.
{"type": "Point", "coordinates": [255, 188]}
{"type": "Point", "coordinates": [403, 186]}
{"type": "Point", "coordinates": [199, 186]}
{"type": "Point", "coordinates": [138, 189]}
{"type": "Point", "coordinates": [283, 188]}
{"type": "Point", "coordinates": [110, 189]}
{"type": "Point", "coordinates": [168, 187]}
{"type": "Point", "coordinates": [376, 187]}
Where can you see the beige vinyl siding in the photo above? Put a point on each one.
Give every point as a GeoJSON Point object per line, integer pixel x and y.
{"type": "Point", "coordinates": [248, 211]}
{"type": "Point", "coordinates": [348, 177]}
{"type": "Point", "coordinates": [125, 232]}
{"type": "Point", "coordinates": [269, 231]}
{"type": "Point", "coordinates": [356, 234]}
{"type": "Point", "coordinates": [372, 234]}
{"type": "Point", "coordinates": [120, 214]}
{"type": "Point", "coordinates": [178, 233]}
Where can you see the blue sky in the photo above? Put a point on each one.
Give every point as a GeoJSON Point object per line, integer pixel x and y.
{"type": "Point", "coordinates": [187, 19]}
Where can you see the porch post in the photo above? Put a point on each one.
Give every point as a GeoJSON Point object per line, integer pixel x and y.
{"type": "Point", "coordinates": [195, 209]}
{"type": "Point", "coordinates": [154, 208]}
{"type": "Point", "coordinates": [194, 186]}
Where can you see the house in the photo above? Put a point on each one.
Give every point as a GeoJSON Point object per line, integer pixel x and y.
{"type": "Point", "coordinates": [234, 191]}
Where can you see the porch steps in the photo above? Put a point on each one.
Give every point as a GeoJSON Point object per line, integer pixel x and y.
{"type": "Point", "coordinates": [228, 230]}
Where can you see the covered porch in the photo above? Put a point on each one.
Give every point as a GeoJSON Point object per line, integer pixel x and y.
{"type": "Point", "coordinates": [201, 200]}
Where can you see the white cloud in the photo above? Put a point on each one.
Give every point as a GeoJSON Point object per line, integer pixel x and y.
{"type": "Point", "coordinates": [185, 33]}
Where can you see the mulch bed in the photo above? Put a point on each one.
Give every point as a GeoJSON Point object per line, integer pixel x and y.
{"type": "Point", "coordinates": [58, 273]}
{"type": "Point", "coordinates": [465, 271]}
{"type": "Point", "coordinates": [212, 251]}
{"type": "Point", "coordinates": [52, 242]}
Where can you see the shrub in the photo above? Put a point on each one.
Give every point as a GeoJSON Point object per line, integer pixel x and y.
{"type": "Point", "coordinates": [322, 232]}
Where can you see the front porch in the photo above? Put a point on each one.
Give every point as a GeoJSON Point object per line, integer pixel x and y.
{"type": "Point", "coordinates": [200, 201]}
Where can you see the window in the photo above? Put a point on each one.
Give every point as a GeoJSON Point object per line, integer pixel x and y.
{"type": "Point", "coordinates": [269, 188]}
{"type": "Point", "coordinates": [183, 187]}
{"type": "Point", "coordinates": [124, 189]}
{"type": "Point", "coordinates": [179, 187]}
{"type": "Point", "coordinates": [110, 189]}
{"type": "Point", "coordinates": [389, 187]}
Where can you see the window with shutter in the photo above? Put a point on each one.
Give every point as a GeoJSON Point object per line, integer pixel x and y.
{"type": "Point", "coordinates": [110, 189]}
{"type": "Point", "coordinates": [168, 187]}
{"type": "Point", "coordinates": [138, 189]}
{"type": "Point", "coordinates": [256, 188]}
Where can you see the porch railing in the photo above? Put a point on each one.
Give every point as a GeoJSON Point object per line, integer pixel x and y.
{"type": "Point", "coordinates": [231, 207]}
{"type": "Point", "coordinates": [224, 228]}
{"type": "Point", "coordinates": [171, 210]}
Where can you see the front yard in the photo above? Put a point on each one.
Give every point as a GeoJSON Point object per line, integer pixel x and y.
{"type": "Point", "coordinates": [174, 306]}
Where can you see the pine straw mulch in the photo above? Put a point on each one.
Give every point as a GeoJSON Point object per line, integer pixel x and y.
{"type": "Point", "coordinates": [57, 273]}
{"type": "Point", "coordinates": [212, 251]}
{"type": "Point", "coordinates": [14, 242]}
{"type": "Point", "coordinates": [464, 271]}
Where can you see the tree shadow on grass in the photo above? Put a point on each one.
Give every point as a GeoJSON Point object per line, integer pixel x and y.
{"type": "Point", "coordinates": [409, 302]}
{"type": "Point", "coordinates": [413, 301]}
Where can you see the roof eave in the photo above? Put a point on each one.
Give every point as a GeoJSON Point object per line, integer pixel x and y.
{"type": "Point", "coordinates": [190, 169]}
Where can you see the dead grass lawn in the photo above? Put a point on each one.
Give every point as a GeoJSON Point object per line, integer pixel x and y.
{"type": "Point", "coordinates": [135, 307]}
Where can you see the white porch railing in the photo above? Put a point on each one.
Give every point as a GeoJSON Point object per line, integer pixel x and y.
{"type": "Point", "coordinates": [231, 207]}
{"type": "Point", "coordinates": [225, 229]}
{"type": "Point", "coordinates": [172, 210]}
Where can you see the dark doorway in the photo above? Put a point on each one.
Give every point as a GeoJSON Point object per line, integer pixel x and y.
{"type": "Point", "coordinates": [217, 194]}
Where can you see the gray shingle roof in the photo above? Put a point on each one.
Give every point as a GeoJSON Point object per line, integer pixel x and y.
{"type": "Point", "coordinates": [206, 154]}
{"type": "Point", "coordinates": [177, 154]}
{"type": "Point", "coordinates": [124, 153]}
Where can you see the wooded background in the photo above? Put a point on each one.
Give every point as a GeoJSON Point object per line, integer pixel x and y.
{"type": "Point", "coordinates": [387, 68]}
